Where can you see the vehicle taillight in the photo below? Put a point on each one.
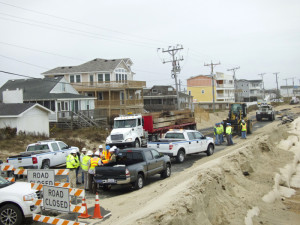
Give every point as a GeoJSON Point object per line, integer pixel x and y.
{"type": "Point", "coordinates": [170, 147]}
{"type": "Point", "coordinates": [34, 160]}
{"type": "Point", "coordinates": [127, 172]}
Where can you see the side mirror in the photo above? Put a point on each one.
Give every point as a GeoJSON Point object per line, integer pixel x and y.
{"type": "Point", "coordinates": [203, 137]}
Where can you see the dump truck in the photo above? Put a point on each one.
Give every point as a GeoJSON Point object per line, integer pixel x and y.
{"type": "Point", "coordinates": [237, 113]}
{"type": "Point", "coordinates": [135, 130]}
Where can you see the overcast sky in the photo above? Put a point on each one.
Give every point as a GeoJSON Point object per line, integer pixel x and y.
{"type": "Point", "coordinates": [260, 36]}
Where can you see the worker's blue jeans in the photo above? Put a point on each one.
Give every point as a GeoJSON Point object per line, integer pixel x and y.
{"type": "Point", "coordinates": [217, 141]}
{"type": "Point", "coordinates": [244, 134]}
{"type": "Point", "coordinates": [221, 138]}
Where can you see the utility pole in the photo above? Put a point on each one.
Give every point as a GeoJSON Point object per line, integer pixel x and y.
{"type": "Point", "coordinates": [287, 89]}
{"type": "Point", "coordinates": [262, 77]}
{"type": "Point", "coordinates": [293, 78]}
{"type": "Point", "coordinates": [180, 85]}
{"type": "Point", "coordinates": [175, 66]}
{"type": "Point", "coordinates": [213, 80]}
{"type": "Point", "coordinates": [234, 81]}
{"type": "Point", "coordinates": [277, 93]}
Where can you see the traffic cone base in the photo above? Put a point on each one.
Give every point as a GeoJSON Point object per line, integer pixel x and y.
{"type": "Point", "coordinates": [97, 211]}
{"type": "Point", "coordinates": [85, 214]}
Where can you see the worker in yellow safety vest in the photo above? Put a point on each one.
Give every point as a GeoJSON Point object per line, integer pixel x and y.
{"type": "Point", "coordinates": [72, 162]}
{"type": "Point", "coordinates": [229, 134]}
{"type": "Point", "coordinates": [92, 163]}
{"type": "Point", "coordinates": [222, 132]}
{"type": "Point", "coordinates": [243, 129]}
{"type": "Point", "coordinates": [85, 167]}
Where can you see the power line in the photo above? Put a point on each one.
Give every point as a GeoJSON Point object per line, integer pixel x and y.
{"type": "Point", "coordinates": [36, 50]}
{"type": "Point", "coordinates": [76, 32]}
{"type": "Point", "coordinates": [14, 59]}
{"type": "Point", "coordinates": [79, 22]}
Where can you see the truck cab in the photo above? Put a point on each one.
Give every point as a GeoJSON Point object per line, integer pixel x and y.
{"type": "Point", "coordinates": [127, 132]}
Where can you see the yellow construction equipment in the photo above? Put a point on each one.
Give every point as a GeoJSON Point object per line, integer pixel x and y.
{"type": "Point", "coordinates": [237, 113]}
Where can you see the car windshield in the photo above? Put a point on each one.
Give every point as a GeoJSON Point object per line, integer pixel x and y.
{"type": "Point", "coordinates": [4, 182]}
{"type": "Point", "coordinates": [174, 136]}
{"type": "Point", "coordinates": [37, 147]}
{"type": "Point", "coordinates": [125, 123]}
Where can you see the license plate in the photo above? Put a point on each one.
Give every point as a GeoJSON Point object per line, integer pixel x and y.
{"type": "Point", "coordinates": [111, 181]}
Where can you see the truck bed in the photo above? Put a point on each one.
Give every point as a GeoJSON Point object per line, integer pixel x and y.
{"type": "Point", "coordinates": [26, 154]}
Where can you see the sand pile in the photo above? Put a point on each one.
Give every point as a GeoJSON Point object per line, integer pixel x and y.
{"type": "Point", "coordinates": [246, 186]}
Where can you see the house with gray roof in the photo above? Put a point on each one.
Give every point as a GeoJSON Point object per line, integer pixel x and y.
{"type": "Point", "coordinates": [55, 94]}
{"type": "Point", "coordinates": [29, 118]}
{"type": "Point", "coordinates": [110, 81]}
{"type": "Point", "coordinates": [164, 97]}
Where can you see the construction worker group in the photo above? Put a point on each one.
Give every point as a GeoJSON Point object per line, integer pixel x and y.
{"type": "Point", "coordinates": [219, 132]}
{"type": "Point", "coordinates": [87, 162]}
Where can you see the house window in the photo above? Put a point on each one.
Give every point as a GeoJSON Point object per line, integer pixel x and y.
{"type": "Point", "coordinates": [100, 77]}
{"type": "Point", "coordinates": [202, 91]}
{"type": "Point", "coordinates": [125, 77]}
{"type": "Point", "coordinates": [78, 79]}
{"type": "Point", "coordinates": [122, 77]}
{"type": "Point", "coordinates": [190, 93]}
{"type": "Point", "coordinates": [107, 77]}
{"type": "Point", "coordinates": [91, 78]}
{"type": "Point", "coordinates": [117, 77]}
{"type": "Point", "coordinates": [72, 79]}
{"type": "Point", "coordinates": [100, 95]}
{"type": "Point", "coordinates": [154, 91]}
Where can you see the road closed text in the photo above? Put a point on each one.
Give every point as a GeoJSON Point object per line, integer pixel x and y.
{"type": "Point", "coordinates": [45, 177]}
{"type": "Point", "coordinates": [56, 198]}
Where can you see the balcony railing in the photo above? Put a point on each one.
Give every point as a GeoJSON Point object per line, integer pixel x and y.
{"type": "Point", "coordinates": [109, 84]}
{"type": "Point", "coordinates": [225, 85]}
{"type": "Point", "coordinates": [118, 103]}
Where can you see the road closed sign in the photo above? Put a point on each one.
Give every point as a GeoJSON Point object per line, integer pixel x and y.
{"type": "Point", "coordinates": [56, 198]}
{"type": "Point", "coordinates": [45, 177]}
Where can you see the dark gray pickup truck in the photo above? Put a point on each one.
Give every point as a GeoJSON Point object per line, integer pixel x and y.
{"type": "Point", "coordinates": [133, 166]}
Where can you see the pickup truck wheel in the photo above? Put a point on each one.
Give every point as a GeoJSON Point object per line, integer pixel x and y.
{"type": "Point", "coordinates": [180, 156]}
{"type": "Point", "coordinates": [210, 150]}
{"type": "Point", "coordinates": [139, 183]}
{"type": "Point", "coordinates": [167, 172]}
{"type": "Point", "coordinates": [10, 214]}
{"type": "Point", "coordinates": [137, 143]}
{"type": "Point", "coordinates": [46, 165]}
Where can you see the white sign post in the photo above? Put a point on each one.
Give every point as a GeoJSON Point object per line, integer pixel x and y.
{"type": "Point", "coordinates": [56, 198]}
{"type": "Point", "coordinates": [45, 177]}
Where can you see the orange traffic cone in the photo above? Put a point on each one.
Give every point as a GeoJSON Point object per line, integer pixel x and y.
{"type": "Point", "coordinates": [97, 212]}
{"type": "Point", "coordinates": [85, 214]}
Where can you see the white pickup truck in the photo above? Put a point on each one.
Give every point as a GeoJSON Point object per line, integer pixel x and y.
{"type": "Point", "coordinates": [179, 143]}
{"type": "Point", "coordinates": [42, 155]}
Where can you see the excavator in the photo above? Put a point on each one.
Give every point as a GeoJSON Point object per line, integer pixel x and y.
{"type": "Point", "coordinates": [237, 113]}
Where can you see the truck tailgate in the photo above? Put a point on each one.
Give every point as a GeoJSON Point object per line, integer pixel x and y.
{"type": "Point", "coordinates": [107, 172]}
{"type": "Point", "coordinates": [20, 161]}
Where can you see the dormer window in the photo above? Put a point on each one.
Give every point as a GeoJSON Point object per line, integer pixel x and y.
{"type": "Point", "coordinates": [154, 91]}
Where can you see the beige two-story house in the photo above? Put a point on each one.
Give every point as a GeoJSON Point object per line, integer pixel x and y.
{"type": "Point", "coordinates": [109, 80]}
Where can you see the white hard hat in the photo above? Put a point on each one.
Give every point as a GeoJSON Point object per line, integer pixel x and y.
{"type": "Point", "coordinates": [100, 146]}
{"type": "Point", "coordinates": [74, 151]}
{"type": "Point", "coordinates": [83, 150]}
{"type": "Point", "coordinates": [89, 152]}
{"type": "Point", "coordinates": [112, 150]}
{"type": "Point", "coordinates": [97, 153]}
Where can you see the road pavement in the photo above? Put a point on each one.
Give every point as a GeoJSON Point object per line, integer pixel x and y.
{"type": "Point", "coordinates": [176, 168]}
